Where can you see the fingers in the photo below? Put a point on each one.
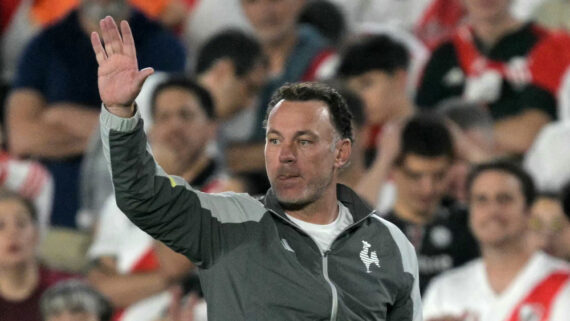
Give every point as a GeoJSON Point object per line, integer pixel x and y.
{"type": "Point", "coordinates": [100, 54]}
{"type": "Point", "coordinates": [106, 34]}
{"type": "Point", "coordinates": [111, 36]}
{"type": "Point", "coordinates": [128, 41]}
{"type": "Point", "coordinates": [116, 41]}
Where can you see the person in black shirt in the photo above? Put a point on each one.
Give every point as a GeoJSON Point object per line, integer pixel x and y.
{"type": "Point", "coordinates": [436, 226]}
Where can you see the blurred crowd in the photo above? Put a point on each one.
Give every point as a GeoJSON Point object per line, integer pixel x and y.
{"type": "Point", "coordinates": [461, 116]}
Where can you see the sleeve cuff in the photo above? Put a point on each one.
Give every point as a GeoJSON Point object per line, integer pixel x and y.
{"type": "Point", "coordinates": [110, 121]}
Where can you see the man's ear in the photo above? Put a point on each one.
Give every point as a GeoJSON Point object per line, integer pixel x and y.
{"type": "Point", "coordinates": [343, 151]}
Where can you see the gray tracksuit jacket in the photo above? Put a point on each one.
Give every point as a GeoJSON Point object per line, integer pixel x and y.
{"type": "Point", "coordinates": [255, 264]}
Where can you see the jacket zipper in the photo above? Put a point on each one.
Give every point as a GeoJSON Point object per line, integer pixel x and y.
{"type": "Point", "coordinates": [334, 308]}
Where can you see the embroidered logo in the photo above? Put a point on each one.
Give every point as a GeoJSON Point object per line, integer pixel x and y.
{"type": "Point", "coordinates": [367, 258]}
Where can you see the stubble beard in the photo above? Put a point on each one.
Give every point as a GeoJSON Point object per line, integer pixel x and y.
{"type": "Point", "coordinates": [303, 202]}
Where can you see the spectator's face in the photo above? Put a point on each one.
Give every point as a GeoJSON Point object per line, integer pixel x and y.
{"type": "Point", "coordinates": [239, 92]}
{"type": "Point", "coordinates": [302, 154]}
{"type": "Point", "coordinates": [73, 316]}
{"type": "Point", "coordinates": [18, 234]}
{"type": "Point", "coordinates": [498, 214]}
{"type": "Point", "coordinates": [378, 91]}
{"type": "Point", "coordinates": [421, 182]}
{"type": "Point", "coordinates": [487, 10]}
{"type": "Point", "coordinates": [181, 129]}
{"type": "Point", "coordinates": [273, 20]}
{"type": "Point", "coordinates": [550, 227]}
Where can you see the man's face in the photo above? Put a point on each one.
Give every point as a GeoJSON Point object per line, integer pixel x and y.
{"type": "Point", "coordinates": [181, 127]}
{"type": "Point", "coordinates": [487, 10]}
{"type": "Point", "coordinates": [239, 92]}
{"type": "Point", "coordinates": [376, 88]}
{"type": "Point", "coordinates": [273, 20]}
{"type": "Point", "coordinates": [301, 152]}
{"type": "Point", "coordinates": [421, 182]}
{"type": "Point", "coordinates": [498, 214]}
{"type": "Point", "coordinates": [550, 227]}
{"type": "Point", "coordinates": [18, 234]}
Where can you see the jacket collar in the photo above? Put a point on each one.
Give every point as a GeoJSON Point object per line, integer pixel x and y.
{"type": "Point", "coordinates": [358, 207]}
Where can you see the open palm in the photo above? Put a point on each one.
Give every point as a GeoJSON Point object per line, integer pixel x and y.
{"type": "Point", "coordinates": [119, 78]}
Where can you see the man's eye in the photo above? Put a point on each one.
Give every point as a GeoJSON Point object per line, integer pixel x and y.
{"type": "Point", "coordinates": [304, 142]}
{"type": "Point", "coordinates": [272, 141]}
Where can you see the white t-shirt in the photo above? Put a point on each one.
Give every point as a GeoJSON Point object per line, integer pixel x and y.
{"type": "Point", "coordinates": [467, 290]}
{"type": "Point", "coordinates": [325, 234]}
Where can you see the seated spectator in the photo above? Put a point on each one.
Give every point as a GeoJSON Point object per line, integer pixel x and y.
{"type": "Point", "coordinates": [486, 61]}
{"type": "Point", "coordinates": [511, 281]}
{"type": "Point", "coordinates": [550, 226]}
{"type": "Point", "coordinates": [130, 268]}
{"type": "Point", "coordinates": [53, 108]}
{"type": "Point", "coordinates": [419, 157]}
{"type": "Point", "coordinates": [74, 301]}
{"type": "Point", "coordinates": [23, 279]}
{"type": "Point", "coordinates": [232, 67]}
{"type": "Point", "coordinates": [376, 68]}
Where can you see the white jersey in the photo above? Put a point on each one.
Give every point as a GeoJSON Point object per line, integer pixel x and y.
{"type": "Point", "coordinates": [466, 291]}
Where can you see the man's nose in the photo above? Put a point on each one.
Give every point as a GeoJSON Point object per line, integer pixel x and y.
{"type": "Point", "coordinates": [287, 153]}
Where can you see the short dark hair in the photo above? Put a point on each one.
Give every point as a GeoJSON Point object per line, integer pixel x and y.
{"type": "Point", "coordinates": [7, 194]}
{"type": "Point", "coordinates": [305, 91]}
{"type": "Point", "coordinates": [526, 182]}
{"type": "Point", "coordinates": [176, 81]}
{"type": "Point", "coordinates": [243, 50]}
{"type": "Point", "coordinates": [377, 52]}
{"type": "Point", "coordinates": [76, 296]}
{"type": "Point", "coordinates": [326, 17]}
{"type": "Point", "coordinates": [425, 135]}
{"type": "Point", "coordinates": [565, 198]}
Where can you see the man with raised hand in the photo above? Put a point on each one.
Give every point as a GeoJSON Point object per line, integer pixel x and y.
{"type": "Point", "coordinates": [309, 250]}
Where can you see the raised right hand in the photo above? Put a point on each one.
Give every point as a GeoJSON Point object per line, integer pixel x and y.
{"type": "Point", "coordinates": [119, 78]}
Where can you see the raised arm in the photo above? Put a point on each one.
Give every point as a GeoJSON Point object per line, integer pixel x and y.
{"type": "Point", "coordinates": [201, 226]}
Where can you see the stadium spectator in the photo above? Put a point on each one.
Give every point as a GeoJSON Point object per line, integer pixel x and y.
{"type": "Point", "coordinates": [376, 67]}
{"type": "Point", "coordinates": [511, 281]}
{"type": "Point", "coordinates": [486, 61]}
{"type": "Point", "coordinates": [22, 278]}
{"type": "Point", "coordinates": [52, 110]}
{"type": "Point", "coordinates": [419, 158]}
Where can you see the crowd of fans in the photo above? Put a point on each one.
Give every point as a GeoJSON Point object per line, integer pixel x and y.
{"type": "Point", "coordinates": [461, 129]}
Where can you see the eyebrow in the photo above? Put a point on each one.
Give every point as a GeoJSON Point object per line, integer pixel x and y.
{"type": "Point", "coordinates": [297, 134]}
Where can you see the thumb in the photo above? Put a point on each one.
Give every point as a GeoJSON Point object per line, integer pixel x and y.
{"type": "Point", "coordinates": [143, 75]}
